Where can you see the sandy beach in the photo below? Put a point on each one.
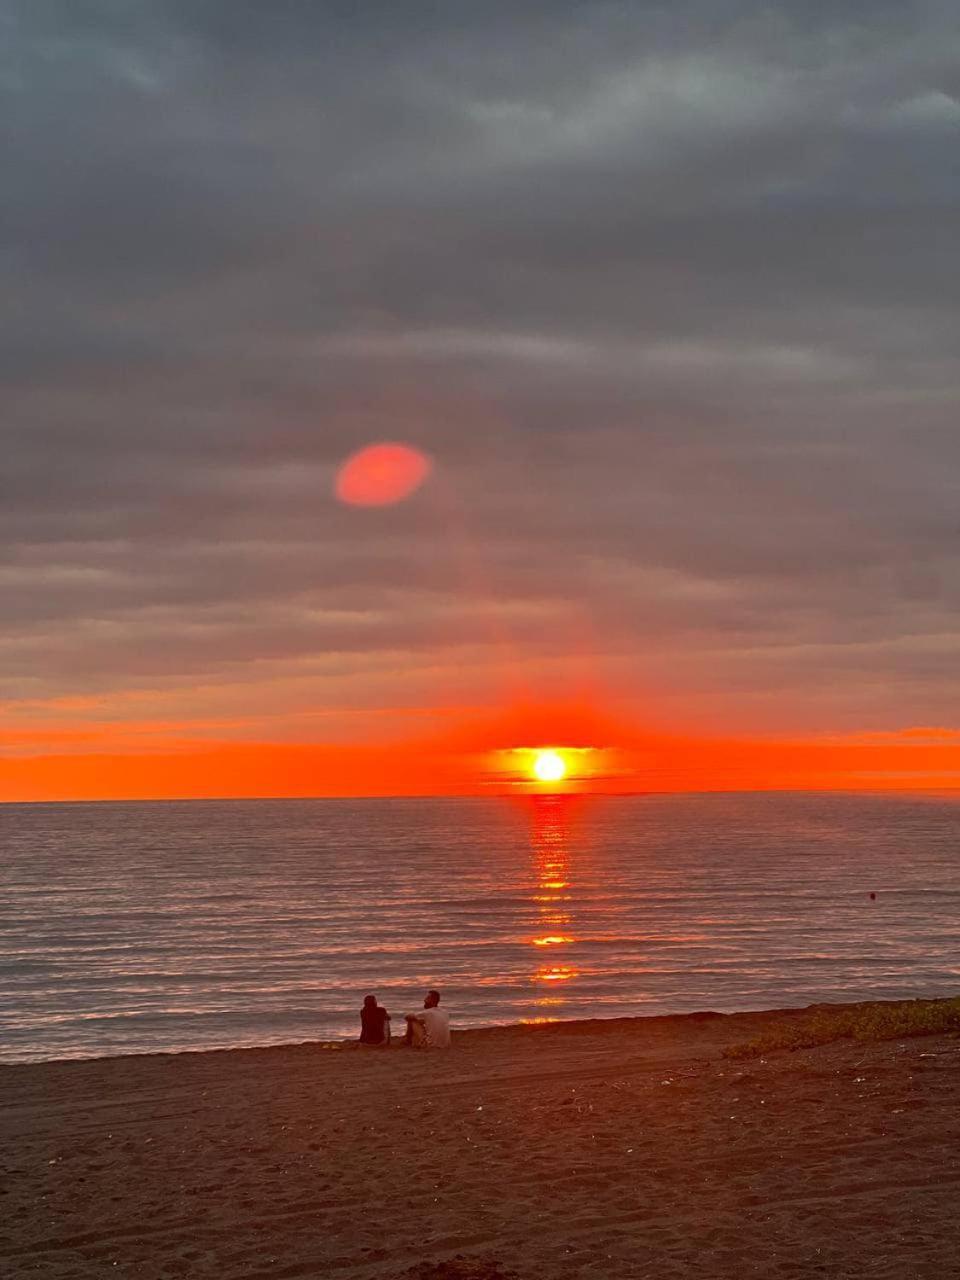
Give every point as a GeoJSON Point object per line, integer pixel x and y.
{"type": "Point", "coordinates": [621, 1148]}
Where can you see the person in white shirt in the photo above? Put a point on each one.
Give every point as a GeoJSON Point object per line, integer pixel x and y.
{"type": "Point", "coordinates": [430, 1028]}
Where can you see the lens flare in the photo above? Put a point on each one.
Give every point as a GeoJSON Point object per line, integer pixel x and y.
{"type": "Point", "coordinates": [381, 474]}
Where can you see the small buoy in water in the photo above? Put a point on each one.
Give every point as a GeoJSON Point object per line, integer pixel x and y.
{"type": "Point", "coordinates": [873, 897]}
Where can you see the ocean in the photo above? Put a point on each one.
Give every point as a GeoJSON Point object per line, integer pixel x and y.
{"type": "Point", "coordinates": [156, 927]}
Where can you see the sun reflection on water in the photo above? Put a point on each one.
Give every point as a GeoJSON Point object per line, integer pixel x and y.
{"type": "Point", "coordinates": [557, 973]}
{"type": "Point", "coordinates": [550, 844]}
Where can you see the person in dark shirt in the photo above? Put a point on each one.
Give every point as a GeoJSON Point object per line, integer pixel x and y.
{"type": "Point", "coordinates": [374, 1024]}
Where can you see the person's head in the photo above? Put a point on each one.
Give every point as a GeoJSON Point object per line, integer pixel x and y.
{"type": "Point", "coordinates": [369, 1002]}
{"type": "Point", "coordinates": [431, 999]}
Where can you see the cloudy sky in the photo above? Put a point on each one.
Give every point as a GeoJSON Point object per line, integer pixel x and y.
{"type": "Point", "coordinates": [668, 292]}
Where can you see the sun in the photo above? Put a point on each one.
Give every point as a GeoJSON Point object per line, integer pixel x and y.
{"type": "Point", "coordinates": [549, 766]}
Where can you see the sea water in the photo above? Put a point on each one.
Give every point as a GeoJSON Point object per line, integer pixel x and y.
{"type": "Point", "coordinates": [146, 927]}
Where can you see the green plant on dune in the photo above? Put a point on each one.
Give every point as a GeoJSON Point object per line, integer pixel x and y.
{"type": "Point", "coordinates": [882, 1021]}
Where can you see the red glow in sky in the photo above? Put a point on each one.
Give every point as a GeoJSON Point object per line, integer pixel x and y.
{"type": "Point", "coordinates": [361, 460]}
{"type": "Point", "coordinates": [382, 474]}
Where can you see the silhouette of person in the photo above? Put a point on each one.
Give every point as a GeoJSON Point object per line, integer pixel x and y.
{"type": "Point", "coordinates": [374, 1024]}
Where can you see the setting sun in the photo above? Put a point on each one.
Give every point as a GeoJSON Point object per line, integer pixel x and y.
{"type": "Point", "coordinates": [549, 766]}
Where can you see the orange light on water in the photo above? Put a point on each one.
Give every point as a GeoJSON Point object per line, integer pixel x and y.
{"type": "Point", "coordinates": [557, 973]}
{"type": "Point", "coordinates": [551, 940]}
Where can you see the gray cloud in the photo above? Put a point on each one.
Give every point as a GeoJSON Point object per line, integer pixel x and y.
{"type": "Point", "coordinates": [670, 294]}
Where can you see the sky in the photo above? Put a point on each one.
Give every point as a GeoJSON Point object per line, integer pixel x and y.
{"type": "Point", "coordinates": [666, 294]}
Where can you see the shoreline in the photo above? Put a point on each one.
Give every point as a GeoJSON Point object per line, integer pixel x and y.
{"type": "Point", "coordinates": [620, 1148]}
{"type": "Point", "coordinates": [749, 1021]}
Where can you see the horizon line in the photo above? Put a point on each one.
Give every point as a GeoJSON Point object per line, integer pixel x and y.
{"type": "Point", "coordinates": [504, 795]}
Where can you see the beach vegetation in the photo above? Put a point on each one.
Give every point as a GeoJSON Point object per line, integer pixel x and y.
{"type": "Point", "coordinates": [884, 1020]}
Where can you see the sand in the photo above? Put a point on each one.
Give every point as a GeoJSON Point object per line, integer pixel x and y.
{"type": "Point", "coordinates": [622, 1148]}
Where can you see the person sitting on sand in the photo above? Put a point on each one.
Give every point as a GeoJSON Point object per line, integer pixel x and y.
{"type": "Point", "coordinates": [430, 1028]}
{"type": "Point", "coordinates": [374, 1024]}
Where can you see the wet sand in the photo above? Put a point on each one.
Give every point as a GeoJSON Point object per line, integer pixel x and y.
{"type": "Point", "coordinates": [620, 1148]}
